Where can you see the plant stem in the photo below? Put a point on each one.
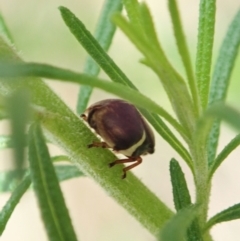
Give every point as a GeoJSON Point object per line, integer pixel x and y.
{"type": "Point", "coordinates": [203, 187]}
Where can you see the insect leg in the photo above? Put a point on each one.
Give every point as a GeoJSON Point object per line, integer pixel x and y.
{"type": "Point", "coordinates": [137, 160]}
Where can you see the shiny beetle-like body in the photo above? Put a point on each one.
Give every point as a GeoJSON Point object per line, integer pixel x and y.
{"type": "Point", "coordinates": [122, 128]}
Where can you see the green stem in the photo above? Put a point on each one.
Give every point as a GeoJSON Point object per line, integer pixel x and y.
{"type": "Point", "coordinates": [203, 187]}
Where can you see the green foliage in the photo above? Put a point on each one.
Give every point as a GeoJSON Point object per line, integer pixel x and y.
{"type": "Point", "coordinates": [198, 103]}
{"type": "Point", "coordinates": [104, 33]}
{"type": "Point", "coordinates": [9, 180]}
{"type": "Point", "coordinates": [204, 48]}
{"type": "Point", "coordinates": [4, 30]}
{"type": "Point", "coordinates": [228, 214]}
{"type": "Point", "coordinates": [53, 209]}
{"type": "Point", "coordinates": [181, 194]}
{"type": "Point", "coordinates": [176, 228]}
{"type": "Point", "coordinates": [182, 199]}
{"type": "Point", "coordinates": [18, 111]}
{"type": "Point", "coordinates": [12, 202]}
{"type": "Point", "coordinates": [183, 51]}
{"type": "Point", "coordinates": [221, 78]}
{"type": "Point", "coordinates": [234, 143]}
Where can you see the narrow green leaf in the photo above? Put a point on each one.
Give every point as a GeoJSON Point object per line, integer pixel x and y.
{"type": "Point", "coordinates": [47, 71]}
{"type": "Point", "coordinates": [182, 199]}
{"type": "Point", "coordinates": [132, 8]}
{"type": "Point", "coordinates": [226, 113]}
{"type": "Point", "coordinates": [93, 48]}
{"type": "Point", "coordinates": [53, 209]}
{"type": "Point", "coordinates": [9, 207]}
{"type": "Point", "coordinates": [228, 214]}
{"type": "Point", "coordinates": [148, 27]}
{"type": "Point", "coordinates": [183, 51]}
{"type": "Point", "coordinates": [4, 30]}
{"type": "Point", "coordinates": [116, 75]}
{"type": "Point", "coordinates": [105, 28]}
{"type": "Point", "coordinates": [225, 62]}
{"type": "Point", "coordinates": [8, 179]}
{"type": "Point", "coordinates": [233, 144]}
{"type": "Point", "coordinates": [181, 195]}
{"type": "Point", "coordinates": [104, 34]}
{"type": "Point", "coordinates": [176, 228]}
{"type": "Point", "coordinates": [18, 109]}
{"type": "Point", "coordinates": [221, 77]}
{"type": "Point", "coordinates": [204, 48]}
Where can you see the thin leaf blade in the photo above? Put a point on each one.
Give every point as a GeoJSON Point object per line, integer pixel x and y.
{"type": "Point", "coordinates": [148, 26]}
{"type": "Point", "coordinates": [226, 113]}
{"type": "Point", "coordinates": [9, 207]}
{"type": "Point", "coordinates": [93, 48]}
{"type": "Point", "coordinates": [9, 181]}
{"type": "Point", "coordinates": [176, 228]}
{"type": "Point", "coordinates": [183, 51]}
{"type": "Point", "coordinates": [19, 111]}
{"type": "Point", "coordinates": [182, 199]}
{"type": "Point", "coordinates": [221, 77]}
{"type": "Point", "coordinates": [229, 214]}
{"type": "Point", "coordinates": [104, 33]}
{"type": "Point", "coordinates": [54, 211]}
{"type": "Point", "coordinates": [225, 61]}
{"type": "Point", "coordinates": [132, 8]}
{"type": "Point", "coordinates": [181, 195]}
{"type": "Point", "coordinates": [4, 31]}
{"type": "Point", "coordinates": [204, 48]}
{"type": "Point", "coordinates": [233, 144]}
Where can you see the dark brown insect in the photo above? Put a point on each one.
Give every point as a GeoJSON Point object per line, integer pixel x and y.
{"type": "Point", "coordinates": [122, 128]}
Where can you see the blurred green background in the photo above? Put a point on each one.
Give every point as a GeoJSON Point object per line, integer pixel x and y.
{"type": "Point", "coordinates": [41, 36]}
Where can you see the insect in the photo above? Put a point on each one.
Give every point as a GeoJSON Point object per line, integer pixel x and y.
{"type": "Point", "coordinates": [122, 128]}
